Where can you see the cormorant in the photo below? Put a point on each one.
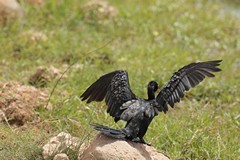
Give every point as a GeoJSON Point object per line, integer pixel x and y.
{"type": "Point", "coordinates": [138, 112]}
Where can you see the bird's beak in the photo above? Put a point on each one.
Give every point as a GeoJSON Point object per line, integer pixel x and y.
{"type": "Point", "coordinates": [158, 90]}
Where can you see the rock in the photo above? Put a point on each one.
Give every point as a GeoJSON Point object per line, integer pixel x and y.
{"type": "Point", "coordinates": [107, 148]}
{"type": "Point", "coordinates": [35, 2]}
{"type": "Point", "coordinates": [61, 156]}
{"type": "Point", "coordinates": [10, 9]}
{"type": "Point", "coordinates": [59, 144]}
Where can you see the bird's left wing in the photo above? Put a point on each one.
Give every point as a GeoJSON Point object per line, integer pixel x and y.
{"type": "Point", "coordinates": [182, 80]}
{"type": "Point", "coordinates": [115, 88]}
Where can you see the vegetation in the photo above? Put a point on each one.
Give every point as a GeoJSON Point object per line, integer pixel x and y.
{"type": "Point", "coordinates": [150, 40]}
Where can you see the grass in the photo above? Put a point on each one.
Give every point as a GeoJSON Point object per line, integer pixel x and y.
{"type": "Point", "coordinates": [149, 39]}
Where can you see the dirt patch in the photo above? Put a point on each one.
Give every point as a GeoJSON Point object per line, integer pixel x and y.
{"type": "Point", "coordinates": [98, 10]}
{"type": "Point", "coordinates": [45, 75]}
{"type": "Point", "coordinates": [18, 102]}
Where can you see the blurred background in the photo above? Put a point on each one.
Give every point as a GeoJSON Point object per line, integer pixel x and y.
{"type": "Point", "coordinates": [40, 39]}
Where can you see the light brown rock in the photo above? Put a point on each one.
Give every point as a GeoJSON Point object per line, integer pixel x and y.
{"type": "Point", "coordinates": [61, 156]}
{"type": "Point", "coordinates": [35, 2]}
{"type": "Point", "coordinates": [11, 5]}
{"type": "Point", "coordinates": [59, 144]}
{"type": "Point", "coordinates": [10, 9]}
{"type": "Point", "coordinates": [107, 148]}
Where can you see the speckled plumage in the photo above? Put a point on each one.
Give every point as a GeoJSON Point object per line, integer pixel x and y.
{"type": "Point", "coordinates": [137, 112]}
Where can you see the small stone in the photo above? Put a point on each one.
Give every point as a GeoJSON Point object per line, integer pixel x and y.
{"type": "Point", "coordinates": [61, 156]}
{"type": "Point", "coordinates": [10, 9]}
{"type": "Point", "coordinates": [59, 144]}
{"type": "Point", "coordinates": [36, 2]}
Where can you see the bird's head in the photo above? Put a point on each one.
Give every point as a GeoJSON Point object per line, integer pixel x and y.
{"type": "Point", "coordinates": [152, 88]}
{"type": "Point", "coordinates": [153, 85]}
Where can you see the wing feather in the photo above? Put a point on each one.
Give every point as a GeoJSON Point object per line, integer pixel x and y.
{"type": "Point", "coordinates": [185, 78]}
{"type": "Point", "coordinates": [115, 88]}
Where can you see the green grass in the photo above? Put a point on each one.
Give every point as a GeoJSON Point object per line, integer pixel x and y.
{"type": "Point", "coordinates": [149, 39]}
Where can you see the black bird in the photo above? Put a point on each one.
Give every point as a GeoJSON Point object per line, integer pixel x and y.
{"type": "Point", "coordinates": [137, 112]}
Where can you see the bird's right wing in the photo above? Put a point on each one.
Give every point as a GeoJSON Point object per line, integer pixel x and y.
{"type": "Point", "coordinates": [182, 80]}
{"type": "Point", "coordinates": [115, 88]}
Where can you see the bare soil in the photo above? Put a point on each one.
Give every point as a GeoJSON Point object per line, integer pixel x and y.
{"type": "Point", "coordinates": [18, 102]}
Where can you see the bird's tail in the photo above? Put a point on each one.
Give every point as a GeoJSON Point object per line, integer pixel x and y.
{"type": "Point", "coordinates": [115, 133]}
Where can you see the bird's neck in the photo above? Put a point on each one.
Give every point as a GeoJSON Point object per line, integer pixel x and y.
{"type": "Point", "coordinates": [150, 94]}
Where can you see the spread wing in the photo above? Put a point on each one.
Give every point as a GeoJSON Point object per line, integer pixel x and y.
{"type": "Point", "coordinates": [115, 88]}
{"type": "Point", "coordinates": [182, 80]}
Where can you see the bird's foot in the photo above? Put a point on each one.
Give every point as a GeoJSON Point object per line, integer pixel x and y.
{"type": "Point", "coordinates": [144, 142]}
{"type": "Point", "coordinates": [138, 140]}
